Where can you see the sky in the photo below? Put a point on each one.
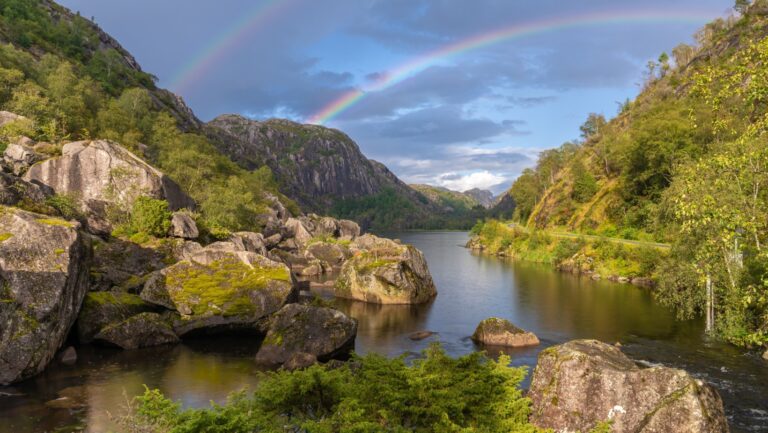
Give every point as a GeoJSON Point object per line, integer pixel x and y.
{"type": "Point", "coordinates": [456, 93]}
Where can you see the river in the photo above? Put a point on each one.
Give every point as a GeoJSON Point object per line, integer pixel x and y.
{"type": "Point", "coordinates": [556, 306]}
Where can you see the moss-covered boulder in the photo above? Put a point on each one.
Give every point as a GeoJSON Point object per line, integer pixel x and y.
{"type": "Point", "coordinates": [634, 399]}
{"type": "Point", "coordinates": [141, 330]}
{"type": "Point", "coordinates": [385, 272]}
{"type": "Point", "coordinates": [324, 333]}
{"type": "Point", "coordinates": [121, 265]}
{"type": "Point", "coordinates": [501, 332]}
{"type": "Point", "coordinates": [218, 290]}
{"type": "Point", "coordinates": [101, 309]}
{"type": "Point", "coordinates": [105, 176]}
{"type": "Point", "coordinates": [43, 279]}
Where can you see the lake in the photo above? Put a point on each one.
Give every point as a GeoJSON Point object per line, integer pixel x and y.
{"type": "Point", "coordinates": [557, 307]}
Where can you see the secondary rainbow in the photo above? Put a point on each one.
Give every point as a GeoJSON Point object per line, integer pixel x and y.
{"type": "Point", "coordinates": [226, 42]}
{"type": "Point", "coordinates": [420, 63]}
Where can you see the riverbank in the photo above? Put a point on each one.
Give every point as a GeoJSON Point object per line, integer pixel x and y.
{"type": "Point", "coordinates": [618, 260]}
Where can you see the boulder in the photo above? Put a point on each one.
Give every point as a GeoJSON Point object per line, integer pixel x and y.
{"type": "Point", "coordinates": [44, 265]}
{"type": "Point", "coordinates": [295, 229]}
{"type": "Point", "coordinates": [253, 242]}
{"type": "Point", "coordinates": [219, 290]}
{"type": "Point", "coordinates": [14, 190]}
{"type": "Point", "coordinates": [68, 356]}
{"type": "Point", "coordinates": [765, 355]}
{"type": "Point", "coordinates": [348, 229]}
{"type": "Point", "coordinates": [384, 272]}
{"type": "Point", "coordinates": [7, 117]}
{"type": "Point", "coordinates": [299, 360]}
{"type": "Point", "coordinates": [332, 253]}
{"type": "Point", "coordinates": [324, 333]}
{"type": "Point", "coordinates": [141, 330]}
{"type": "Point", "coordinates": [101, 309]}
{"type": "Point", "coordinates": [125, 266]}
{"type": "Point", "coordinates": [326, 226]}
{"type": "Point", "coordinates": [104, 176]}
{"type": "Point", "coordinates": [21, 155]}
{"type": "Point", "coordinates": [578, 384]}
{"type": "Point", "coordinates": [183, 226]}
{"type": "Point", "coordinates": [273, 240]}
{"type": "Point", "coordinates": [500, 332]}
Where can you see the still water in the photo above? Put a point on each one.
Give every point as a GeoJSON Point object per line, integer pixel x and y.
{"type": "Point", "coordinates": [557, 307]}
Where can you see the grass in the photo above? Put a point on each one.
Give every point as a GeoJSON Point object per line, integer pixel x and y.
{"type": "Point", "coordinates": [56, 222]}
{"type": "Point", "coordinates": [5, 236]}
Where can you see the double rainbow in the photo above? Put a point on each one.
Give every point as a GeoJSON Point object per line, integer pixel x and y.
{"type": "Point", "coordinates": [415, 65]}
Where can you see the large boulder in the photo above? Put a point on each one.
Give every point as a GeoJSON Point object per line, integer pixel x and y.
{"type": "Point", "coordinates": [219, 290]}
{"type": "Point", "coordinates": [578, 384]}
{"type": "Point", "coordinates": [105, 176]}
{"type": "Point", "coordinates": [249, 241]}
{"type": "Point", "coordinates": [43, 279]}
{"type": "Point", "coordinates": [141, 330]}
{"type": "Point", "coordinates": [331, 253]}
{"type": "Point", "coordinates": [123, 265]}
{"type": "Point", "coordinates": [296, 231]}
{"type": "Point", "coordinates": [501, 332]}
{"type": "Point", "coordinates": [321, 332]}
{"type": "Point", "coordinates": [385, 272]}
{"type": "Point", "coordinates": [348, 229]}
{"type": "Point", "coordinates": [184, 226]}
{"type": "Point", "coordinates": [102, 309]}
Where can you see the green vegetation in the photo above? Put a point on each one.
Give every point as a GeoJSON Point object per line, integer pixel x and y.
{"type": "Point", "coordinates": [458, 211]}
{"type": "Point", "coordinates": [150, 216]}
{"type": "Point", "coordinates": [601, 256]}
{"type": "Point", "coordinates": [5, 236]}
{"type": "Point", "coordinates": [370, 394]}
{"type": "Point", "coordinates": [223, 285]}
{"type": "Point", "coordinates": [81, 89]}
{"type": "Point", "coordinates": [686, 163]}
{"type": "Point", "coordinates": [55, 222]}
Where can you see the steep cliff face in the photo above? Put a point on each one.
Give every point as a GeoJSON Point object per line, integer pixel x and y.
{"type": "Point", "coordinates": [316, 166]}
{"type": "Point", "coordinates": [483, 197]}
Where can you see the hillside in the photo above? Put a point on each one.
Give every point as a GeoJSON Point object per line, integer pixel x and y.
{"type": "Point", "coordinates": [685, 162]}
{"type": "Point", "coordinates": [321, 168]}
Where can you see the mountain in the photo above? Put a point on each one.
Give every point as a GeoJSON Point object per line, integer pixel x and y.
{"type": "Point", "coordinates": [686, 163]}
{"type": "Point", "coordinates": [324, 171]}
{"type": "Point", "coordinates": [447, 199]}
{"type": "Point", "coordinates": [483, 197]}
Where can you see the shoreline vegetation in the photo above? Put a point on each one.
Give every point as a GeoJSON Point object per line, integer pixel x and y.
{"type": "Point", "coordinates": [598, 257]}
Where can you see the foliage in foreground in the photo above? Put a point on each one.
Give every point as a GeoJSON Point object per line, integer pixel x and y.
{"type": "Point", "coordinates": [370, 394]}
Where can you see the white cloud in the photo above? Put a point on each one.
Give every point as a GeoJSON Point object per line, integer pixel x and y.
{"type": "Point", "coordinates": [480, 179]}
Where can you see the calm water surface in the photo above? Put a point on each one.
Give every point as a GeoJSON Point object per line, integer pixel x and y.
{"type": "Point", "coordinates": [557, 307]}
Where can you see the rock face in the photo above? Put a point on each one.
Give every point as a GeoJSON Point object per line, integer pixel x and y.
{"type": "Point", "coordinates": [14, 190]}
{"type": "Point", "coordinates": [637, 400]}
{"type": "Point", "coordinates": [104, 175]}
{"type": "Point", "coordinates": [102, 309]}
{"type": "Point", "coordinates": [500, 332]}
{"type": "Point", "coordinates": [318, 166]}
{"type": "Point", "coordinates": [43, 278]}
{"type": "Point", "coordinates": [218, 290]}
{"type": "Point", "coordinates": [21, 155]}
{"type": "Point", "coordinates": [482, 196]}
{"type": "Point", "coordinates": [141, 330]}
{"type": "Point", "coordinates": [385, 272]}
{"type": "Point", "coordinates": [323, 333]}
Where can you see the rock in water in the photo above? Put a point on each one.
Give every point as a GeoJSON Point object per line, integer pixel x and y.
{"type": "Point", "coordinates": [321, 332]}
{"type": "Point", "coordinates": [219, 289]}
{"type": "Point", "coordinates": [104, 175]}
{"type": "Point", "coordinates": [583, 382]}
{"type": "Point", "coordinates": [43, 278]}
{"type": "Point", "coordinates": [141, 330]}
{"type": "Point", "coordinates": [68, 356]}
{"type": "Point", "coordinates": [500, 332]}
{"type": "Point", "coordinates": [384, 272]}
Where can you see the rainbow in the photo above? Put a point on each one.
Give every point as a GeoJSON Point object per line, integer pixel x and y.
{"type": "Point", "coordinates": [225, 43]}
{"type": "Point", "coordinates": [415, 65]}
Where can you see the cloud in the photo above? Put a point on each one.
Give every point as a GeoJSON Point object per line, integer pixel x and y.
{"type": "Point", "coordinates": [481, 179]}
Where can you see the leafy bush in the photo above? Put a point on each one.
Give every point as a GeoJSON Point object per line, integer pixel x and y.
{"type": "Point", "coordinates": [370, 394]}
{"type": "Point", "coordinates": [65, 205]}
{"type": "Point", "coordinates": [150, 216]}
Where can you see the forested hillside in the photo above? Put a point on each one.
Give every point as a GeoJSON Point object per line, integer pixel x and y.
{"type": "Point", "coordinates": [73, 81]}
{"type": "Point", "coordinates": [685, 163]}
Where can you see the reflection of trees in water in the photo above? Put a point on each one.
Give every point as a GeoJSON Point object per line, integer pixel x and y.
{"type": "Point", "coordinates": [385, 323]}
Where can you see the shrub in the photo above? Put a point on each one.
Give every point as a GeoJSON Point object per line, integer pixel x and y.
{"type": "Point", "coordinates": [372, 393]}
{"type": "Point", "coordinates": [150, 216]}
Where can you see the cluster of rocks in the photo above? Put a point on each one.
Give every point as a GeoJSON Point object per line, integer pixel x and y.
{"type": "Point", "coordinates": [60, 277]}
